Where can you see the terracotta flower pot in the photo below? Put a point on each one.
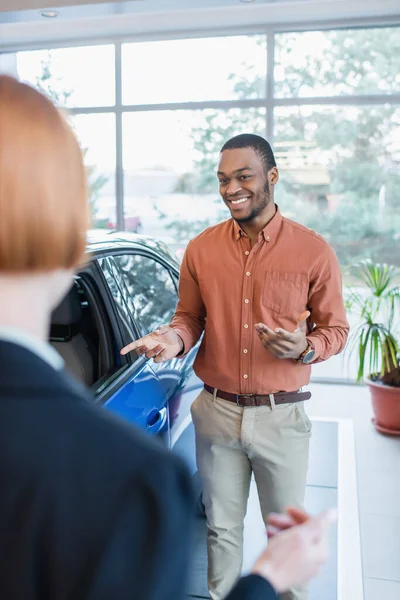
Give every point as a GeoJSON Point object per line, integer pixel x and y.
{"type": "Point", "coordinates": [386, 406]}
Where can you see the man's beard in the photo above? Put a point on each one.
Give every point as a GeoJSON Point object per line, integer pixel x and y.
{"type": "Point", "coordinates": [257, 209]}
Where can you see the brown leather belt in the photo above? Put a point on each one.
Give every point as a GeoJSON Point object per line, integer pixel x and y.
{"type": "Point", "coordinates": [260, 399]}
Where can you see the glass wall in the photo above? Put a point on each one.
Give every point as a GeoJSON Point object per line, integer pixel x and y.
{"type": "Point", "coordinates": [337, 137]}
{"type": "Point", "coordinates": [71, 77]}
{"type": "Point", "coordinates": [193, 70]}
{"type": "Point", "coordinates": [169, 161]}
{"type": "Point", "coordinates": [170, 151]}
{"type": "Point", "coordinates": [152, 117]}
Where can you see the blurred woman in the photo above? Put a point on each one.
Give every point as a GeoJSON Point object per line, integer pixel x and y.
{"type": "Point", "coordinates": [80, 491]}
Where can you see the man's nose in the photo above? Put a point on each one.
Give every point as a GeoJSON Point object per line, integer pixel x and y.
{"type": "Point", "coordinates": [233, 188]}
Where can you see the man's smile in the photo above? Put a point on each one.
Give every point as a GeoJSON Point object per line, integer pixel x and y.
{"type": "Point", "coordinates": [239, 202]}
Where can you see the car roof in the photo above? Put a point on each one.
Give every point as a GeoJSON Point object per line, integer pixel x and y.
{"type": "Point", "coordinates": [99, 241]}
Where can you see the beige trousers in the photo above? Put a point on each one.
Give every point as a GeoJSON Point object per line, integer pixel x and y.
{"type": "Point", "coordinates": [231, 444]}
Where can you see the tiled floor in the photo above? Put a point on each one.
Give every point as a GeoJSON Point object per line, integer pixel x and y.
{"type": "Point", "coordinates": [378, 483]}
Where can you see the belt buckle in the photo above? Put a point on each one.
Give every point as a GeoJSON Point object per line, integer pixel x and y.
{"type": "Point", "coordinates": [272, 401]}
{"type": "Point", "coordinates": [243, 396]}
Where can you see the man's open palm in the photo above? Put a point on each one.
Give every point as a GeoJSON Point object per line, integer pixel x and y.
{"type": "Point", "coordinates": [162, 345]}
{"type": "Point", "coordinates": [282, 343]}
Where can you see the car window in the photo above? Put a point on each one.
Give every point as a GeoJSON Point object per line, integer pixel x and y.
{"type": "Point", "coordinates": [114, 280]}
{"type": "Point", "coordinates": [80, 331]}
{"type": "Point", "coordinates": [152, 292]}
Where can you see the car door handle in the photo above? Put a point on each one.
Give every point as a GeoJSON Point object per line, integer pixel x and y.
{"type": "Point", "coordinates": [156, 420]}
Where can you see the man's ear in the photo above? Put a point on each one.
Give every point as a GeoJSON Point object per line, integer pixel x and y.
{"type": "Point", "coordinates": [273, 176]}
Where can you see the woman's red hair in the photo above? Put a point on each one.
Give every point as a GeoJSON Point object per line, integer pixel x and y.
{"type": "Point", "coordinates": [43, 195]}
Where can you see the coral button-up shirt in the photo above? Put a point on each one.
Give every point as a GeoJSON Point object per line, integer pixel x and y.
{"type": "Point", "coordinates": [226, 287]}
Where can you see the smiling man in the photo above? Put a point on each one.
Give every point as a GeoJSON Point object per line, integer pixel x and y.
{"type": "Point", "coordinates": [267, 294]}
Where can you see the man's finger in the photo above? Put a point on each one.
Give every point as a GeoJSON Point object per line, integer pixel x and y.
{"type": "Point", "coordinates": [274, 343]}
{"type": "Point", "coordinates": [161, 357]}
{"type": "Point", "coordinates": [302, 321]}
{"type": "Point", "coordinates": [303, 316]}
{"type": "Point", "coordinates": [284, 335]}
{"type": "Point", "coordinates": [154, 351]}
{"type": "Point", "coordinates": [261, 328]}
{"type": "Point", "coordinates": [267, 334]}
{"type": "Point", "coordinates": [132, 346]}
{"type": "Point", "coordinates": [269, 339]}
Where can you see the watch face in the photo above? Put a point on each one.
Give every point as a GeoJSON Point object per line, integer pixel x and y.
{"type": "Point", "coordinates": [309, 356]}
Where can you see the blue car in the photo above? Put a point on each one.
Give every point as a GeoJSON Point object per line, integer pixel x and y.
{"type": "Point", "coordinates": [126, 289]}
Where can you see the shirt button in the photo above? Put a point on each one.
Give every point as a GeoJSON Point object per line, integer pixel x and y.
{"type": "Point", "coordinates": [245, 351]}
{"type": "Point", "coordinates": [248, 273]}
{"type": "Point", "coordinates": [267, 238]}
{"type": "Point", "coordinates": [245, 376]}
{"type": "Point", "coordinates": [246, 326]}
{"type": "Point", "coordinates": [246, 301]}
{"type": "Point", "coordinates": [247, 253]}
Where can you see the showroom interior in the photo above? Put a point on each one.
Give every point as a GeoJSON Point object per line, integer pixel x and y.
{"type": "Point", "coordinates": [153, 89]}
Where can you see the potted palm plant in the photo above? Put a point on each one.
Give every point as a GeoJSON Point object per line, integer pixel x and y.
{"type": "Point", "coordinates": [375, 338]}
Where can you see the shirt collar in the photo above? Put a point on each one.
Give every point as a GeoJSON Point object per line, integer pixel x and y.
{"type": "Point", "coordinates": [32, 343]}
{"type": "Point", "coordinates": [269, 232]}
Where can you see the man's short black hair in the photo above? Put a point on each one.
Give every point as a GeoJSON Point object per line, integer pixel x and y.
{"type": "Point", "coordinates": [259, 145]}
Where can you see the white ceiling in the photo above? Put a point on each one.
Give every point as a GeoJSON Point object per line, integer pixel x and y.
{"type": "Point", "coordinates": [15, 5]}
{"type": "Point", "coordinates": [21, 23]}
{"type": "Point", "coordinates": [11, 5]}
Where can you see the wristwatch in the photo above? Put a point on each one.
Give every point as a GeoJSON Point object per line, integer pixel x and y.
{"type": "Point", "coordinates": [307, 356]}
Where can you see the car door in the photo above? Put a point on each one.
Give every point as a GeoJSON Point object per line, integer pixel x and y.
{"type": "Point", "coordinates": [136, 394]}
{"type": "Point", "coordinates": [151, 288]}
{"type": "Point", "coordinates": [152, 297]}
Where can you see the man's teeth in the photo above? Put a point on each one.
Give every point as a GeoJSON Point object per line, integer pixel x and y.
{"type": "Point", "coordinates": [240, 201]}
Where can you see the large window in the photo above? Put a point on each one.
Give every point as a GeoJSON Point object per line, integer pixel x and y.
{"type": "Point", "coordinates": [337, 137]}
{"type": "Point", "coordinates": [170, 160]}
{"type": "Point", "coordinates": [71, 77]}
{"type": "Point", "coordinates": [340, 176]}
{"type": "Point", "coordinates": [96, 133]}
{"type": "Point", "coordinates": [193, 70]}
{"type": "Point", "coordinates": [153, 118]}
{"type": "Point", "coordinates": [336, 63]}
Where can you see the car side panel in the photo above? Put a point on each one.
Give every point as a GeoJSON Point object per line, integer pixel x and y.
{"type": "Point", "coordinates": [141, 401]}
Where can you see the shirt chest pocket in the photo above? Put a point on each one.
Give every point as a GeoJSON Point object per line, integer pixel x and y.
{"type": "Point", "coordinates": [285, 293]}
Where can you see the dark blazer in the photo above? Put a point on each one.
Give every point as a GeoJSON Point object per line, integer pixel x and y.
{"type": "Point", "coordinates": [90, 507]}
